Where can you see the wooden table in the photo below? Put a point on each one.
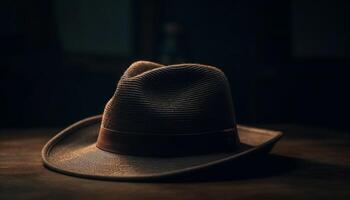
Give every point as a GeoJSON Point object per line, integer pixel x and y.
{"type": "Point", "coordinates": [308, 163]}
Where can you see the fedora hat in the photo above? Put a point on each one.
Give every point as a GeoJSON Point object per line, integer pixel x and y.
{"type": "Point", "coordinates": [161, 121]}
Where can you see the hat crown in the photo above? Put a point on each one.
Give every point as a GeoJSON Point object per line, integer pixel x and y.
{"type": "Point", "coordinates": [175, 99]}
{"type": "Point", "coordinates": [171, 110]}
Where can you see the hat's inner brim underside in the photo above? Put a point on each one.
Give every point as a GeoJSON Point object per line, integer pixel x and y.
{"type": "Point", "coordinates": [74, 152]}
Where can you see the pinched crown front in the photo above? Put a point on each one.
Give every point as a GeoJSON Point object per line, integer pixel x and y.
{"type": "Point", "coordinates": [184, 99]}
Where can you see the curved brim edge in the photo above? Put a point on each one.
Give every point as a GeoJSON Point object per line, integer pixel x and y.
{"type": "Point", "coordinates": [264, 147]}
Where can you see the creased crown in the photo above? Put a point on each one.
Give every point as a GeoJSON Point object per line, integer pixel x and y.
{"type": "Point", "coordinates": [174, 99]}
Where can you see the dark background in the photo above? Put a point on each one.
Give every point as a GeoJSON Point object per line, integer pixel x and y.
{"type": "Point", "coordinates": [287, 61]}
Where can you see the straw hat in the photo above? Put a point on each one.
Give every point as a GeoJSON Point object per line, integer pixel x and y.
{"type": "Point", "coordinates": [161, 121]}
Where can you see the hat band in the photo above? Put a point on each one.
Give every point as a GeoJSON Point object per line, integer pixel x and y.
{"type": "Point", "coordinates": [167, 145]}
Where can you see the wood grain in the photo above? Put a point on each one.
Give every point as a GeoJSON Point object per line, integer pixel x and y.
{"type": "Point", "coordinates": [308, 163]}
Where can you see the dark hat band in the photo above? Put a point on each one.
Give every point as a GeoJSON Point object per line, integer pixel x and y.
{"type": "Point", "coordinates": [167, 145]}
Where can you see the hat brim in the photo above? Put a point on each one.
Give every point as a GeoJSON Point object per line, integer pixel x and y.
{"type": "Point", "coordinates": [73, 152]}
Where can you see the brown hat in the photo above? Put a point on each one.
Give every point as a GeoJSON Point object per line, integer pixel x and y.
{"type": "Point", "coordinates": [161, 121]}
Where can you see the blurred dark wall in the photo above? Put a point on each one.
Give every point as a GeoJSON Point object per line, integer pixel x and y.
{"type": "Point", "coordinates": [286, 60]}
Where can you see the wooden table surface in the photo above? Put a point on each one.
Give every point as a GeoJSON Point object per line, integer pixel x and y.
{"type": "Point", "coordinates": [308, 163]}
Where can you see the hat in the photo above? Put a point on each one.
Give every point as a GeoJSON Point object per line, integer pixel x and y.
{"type": "Point", "coordinates": [161, 121]}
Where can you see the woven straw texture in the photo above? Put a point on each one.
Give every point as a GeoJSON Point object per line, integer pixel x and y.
{"type": "Point", "coordinates": [152, 99]}
{"type": "Point", "coordinates": [180, 99]}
